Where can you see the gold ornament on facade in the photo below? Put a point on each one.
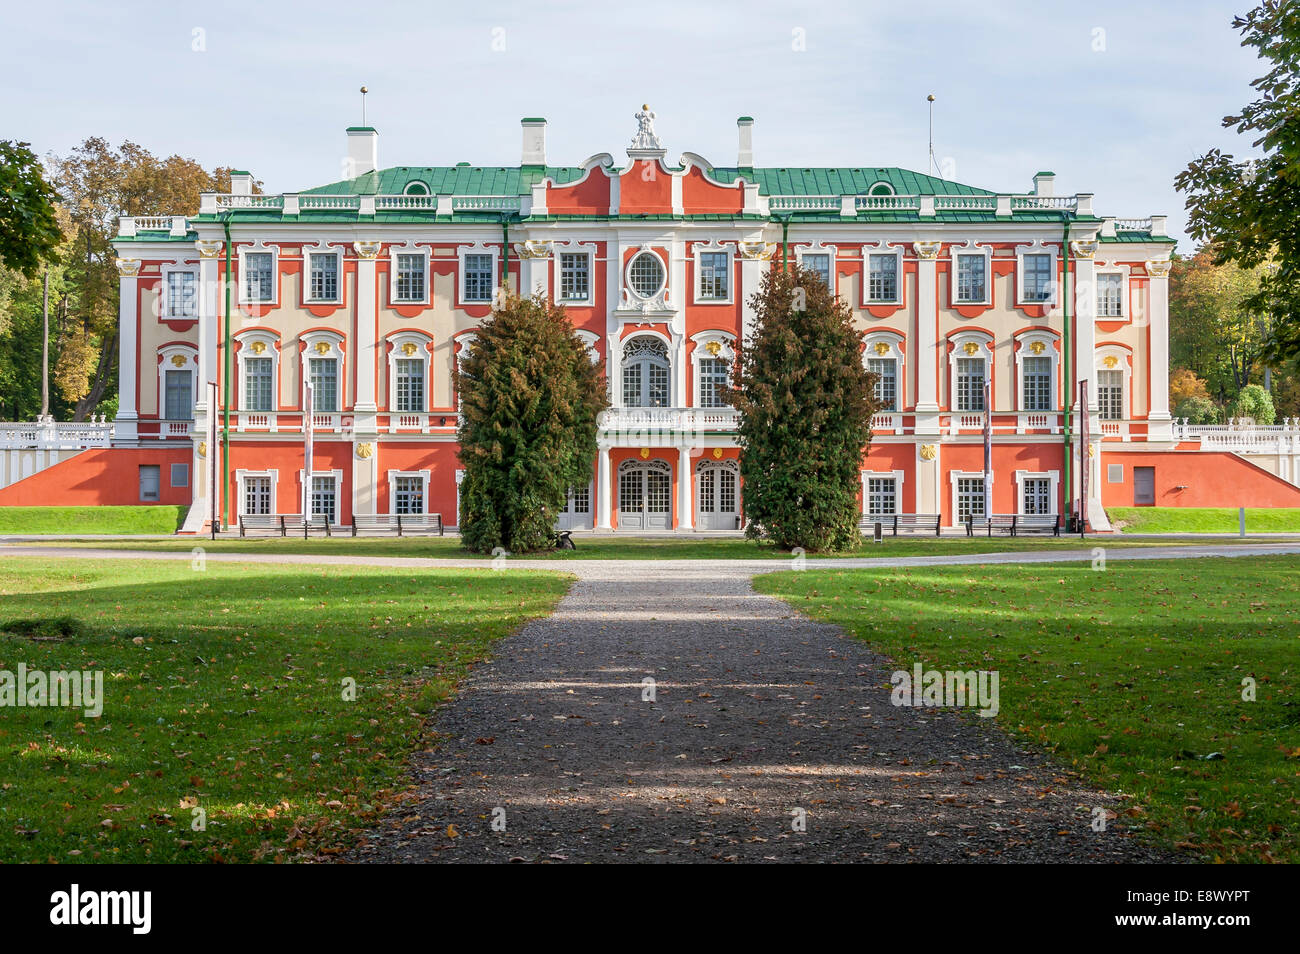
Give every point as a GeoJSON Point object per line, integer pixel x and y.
{"type": "Point", "coordinates": [128, 267]}
{"type": "Point", "coordinates": [207, 248]}
{"type": "Point", "coordinates": [1037, 347]}
{"type": "Point", "coordinates": [882, 348]}
{"type": "Point", "coordinates": [203, 448]}
{"type": "Point", "coordinates": [1090, 450]}
{"type": "Point", "coordinates": [645, 453]}
{"type": "Point", "coordinates": [408, 348]}
{"type": "Point", "coordinates": [365, 450]}
{"type": "Point", "coordinates": [533, 249]}
{"type": "Point", "coordinates": [322, 347]}
{"type": "Point", "coordinates": [1084, 249]}
{"type": "Point", "coordinates": [1110, 361]}
{"type": "Point", "coordinates": [927, 250]}
{"type": "Point", "coordinates": [756, 251]}
{"type": "Point", "coordinates": [717, 453]}
{"type": "Point", "coordinates": [367, 250]}
{"type": "Point", "coordinates": [970, 347]}
{"type": "Point", "coordinates": [714, 348]}
{"type": "Point", "coordinates": [257, 347]}
{"type": "Point", "coordinates": [1159, 269]}
{"type": "Point", "coordinates": [178, 360]}
{"type": "Point", "coordinates": [928, 451]}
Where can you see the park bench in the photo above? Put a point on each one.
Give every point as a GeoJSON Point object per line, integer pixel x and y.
{"type": "Point", "coordinates": [896, 523]}
{"type": "Point", "coordinates": [1038, 523]}
{"type": "Point", "coordinates": [295, 522]}
{"type": "Point", "coordinates": [399, 523]}
{"type": "Point", "coordinates": [1001, 522]}
{"type": "Point", "coordinates": [281, 523]}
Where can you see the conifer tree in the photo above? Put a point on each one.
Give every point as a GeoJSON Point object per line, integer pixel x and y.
{"type": "Point", "coordinates": [529, 397]}
{"type": "Point", "coordinates": [805, 402]}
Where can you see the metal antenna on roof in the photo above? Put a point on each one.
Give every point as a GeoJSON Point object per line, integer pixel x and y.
{"type": "Point", "coordinates": [363, 105]}
{"type": "Point", "coordinates": [933, 166]}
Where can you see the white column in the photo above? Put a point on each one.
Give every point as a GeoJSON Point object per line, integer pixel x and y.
{"type": "Point", "coordinates": [603, 491]}
{"type": "Point", "coordinates": [680, 364]}
{"type": "Point", "coordinates": [128, 316]}
{"type": "Point", "coordinates": [1158, 315]}
{"type": "Point", "coordinates": [751, 276]}
{"type": "Point", "coordinates": [685, 499]}
{"type": "Point", "coordinates": [1085, 325]}
{"type": "Point", "coordinates": [927, 337]}
{"type": "Point", "coordinates": [365, 343]}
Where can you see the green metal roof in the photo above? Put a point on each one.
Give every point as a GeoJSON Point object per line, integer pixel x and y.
{"type": "Point", "coordinates": [1134, 237]}
{"type": "Point", "coordinates": [462, 179]}
{"type": "Point", "coordinates": [843, 181]}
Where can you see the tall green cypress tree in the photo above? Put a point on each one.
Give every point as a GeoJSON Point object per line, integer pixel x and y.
{"type": "Point", "coordinates": [529, 396]}
{"type": "Point", "coordinates": [805, 403]}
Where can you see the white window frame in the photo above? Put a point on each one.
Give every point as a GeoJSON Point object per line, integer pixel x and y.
{"type": "Point", "coordinates": [1054, 490]}
{"type": "Point", "coordinates": [726, 352]}
{"type": "Point", "coordinates": [1124, 288]}
{"type": "Point", "coordinates": [1054, 287]}
{"type": "Point", "coordinates": [241, 475]}
{"type": "Point", "coordinates": [1026, 341]}
{"type": "Point", "coordinates": [258, 248]}
{"type": "Point", "coordinates": [589, 340]}
{"type": "Point", "coordinates": [164, 297]}
{"type": "Point", "coordinates": [397, 353]}
{"type": "Point", "coordinates": [407, 248]}
{"type": "Point", "coordinates": [393, 475]}
{"type": "Point", "coordinates": [715, 248]}
{"type": "Point", "coordinates": [955, 254]}
{"type": "Point", "coordinates": [894, 341]}
{"type": "Point", "coordinates": [587, 249]}
{"type": "Point", "coordinates": [898, 477]}
{"type": "Point", "coordinates": [337, 474]}
{"type": "Point", "coordinates": [670, 353]}
{"type": "Point", "coordinates": [818, 248]}
{"type": "Point", "coordinates": [191, 356]}
{"type": "Point", "coordinates": [1125, 368]}
{"type": "Point", "coordinates": [335, 341]}
{"type": "Point", "coordinates": [271, 350]}
{"type": "Point", "coordinates": [958, 350]}
{"type": "Point", "coordinates": [308, 251]}
{"type": "Point", "coordinates": [881, 249]}
{"type": "Point", "coordinates": [631, 293]}
{"type": "Point", "coordinates": [955, 475]}
{"type": "Point", "coordinates": [478, 248]}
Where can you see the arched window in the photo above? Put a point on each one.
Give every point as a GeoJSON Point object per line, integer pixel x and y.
{"type": "Point", "coordinates": [881, 188]}
{"type": "Point", "coordinates": [646, 372]}
{"type": "Point", "coordinates": [416, 188]}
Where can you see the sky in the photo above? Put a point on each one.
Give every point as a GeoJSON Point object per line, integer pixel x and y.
{"type": "Point", "coordinates": [1115, 98]}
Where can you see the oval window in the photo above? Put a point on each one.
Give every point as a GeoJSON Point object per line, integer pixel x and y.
{"type": "Point", "coordinates": [646, 275]}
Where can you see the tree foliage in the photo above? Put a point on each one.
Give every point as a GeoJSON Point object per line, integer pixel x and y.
{"type": "Point", "coordinates": [1255, 403]}
{"type": "Point", "coordinates": [1215, 327]}
{"type": "Point", "coordinates": [1248, 210]}
{"type": "Point", "coordinates": [530, 395]}
{"type": "Point", "coordinates": [805, 403]}
{"type": "Point", "coordinates": [29, 227]}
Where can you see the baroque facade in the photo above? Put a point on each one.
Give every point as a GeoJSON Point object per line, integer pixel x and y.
{"type": "Point", "coordinates": [370, 287]}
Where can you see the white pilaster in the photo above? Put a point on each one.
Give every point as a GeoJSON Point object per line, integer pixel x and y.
{"type": "Point", "coordinates": [603, 491]}
{"type": "Point", "coordinates": [366, 340]}
{"type": "Point", "coordinates": [128, 316]}
{"type": "Point", "coordinates": [927, 341]}
{"type": "Point", "coordinates": [1085, 326]}
{"type": "Point", "coordinates": [685, 499]}
{"type": "Point", "coordinates": [1158, 314]}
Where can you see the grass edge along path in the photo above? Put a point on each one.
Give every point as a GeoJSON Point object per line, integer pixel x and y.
{"type": "Point", "coordinates": [1132, 676]}
{"type": "Point", "coordinates": [224, 691]}
{"type": "Point", "coordinates": [1204, 519]}
{"type": "Point", "coordinates": [154, 518]}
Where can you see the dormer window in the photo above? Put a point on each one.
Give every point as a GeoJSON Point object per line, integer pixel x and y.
{"type": "Point", "coordinates": [416, 188]}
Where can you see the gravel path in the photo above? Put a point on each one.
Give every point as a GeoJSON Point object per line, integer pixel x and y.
{"type": "Point", "coordinates": [759, 715]}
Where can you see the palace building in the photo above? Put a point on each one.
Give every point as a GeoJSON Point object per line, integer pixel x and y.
{"type": "Point", "coordinates": [371, 287]}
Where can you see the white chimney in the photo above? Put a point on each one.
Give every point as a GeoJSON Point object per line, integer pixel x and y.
{"type": "Point", "coordinates": [241, 183]}
{"type": "Point", "coordinates": [363, 150]}
{"type": "Point", "coordinates": [534, 148]}
{"type": "Point", "coordinates": [1045, 183]}
{"type": "Point", "coordinates": [745, 152]}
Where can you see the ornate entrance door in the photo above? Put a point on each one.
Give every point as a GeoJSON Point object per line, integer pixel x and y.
{"type": "Point", "coordinates": [717, 485]}
{"type": "Point", "coordinates": [645, 495]}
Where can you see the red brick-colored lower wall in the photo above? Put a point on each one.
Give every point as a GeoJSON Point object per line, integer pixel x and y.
{"type": "Point", "coordinates": [1198, 479]}
{"type": "Point", "coordinates": [101, 476]}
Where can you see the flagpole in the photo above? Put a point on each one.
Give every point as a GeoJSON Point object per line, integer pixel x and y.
{"type": "Point", "coordinates": [988, 449]}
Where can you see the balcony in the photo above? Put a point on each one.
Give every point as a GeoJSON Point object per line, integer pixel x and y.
{"type": "Point", "coordinates": [1242, 436]}
{"type": "Point", "coordinates": [647, 421]}
{"type": "Point", "coordinates": [47, 435]}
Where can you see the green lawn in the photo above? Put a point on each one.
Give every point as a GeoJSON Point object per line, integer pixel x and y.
{"type": "Point", "coordinates": [612, 547]}
{"type": "Point", "coordinates": [224, 689]}
{"type": "Point", "coordinates": [1128, 675]}
{"type": "Point", "coordinates": [1203, 520]}
{"type": "Point", "coordinates": [159, 518]}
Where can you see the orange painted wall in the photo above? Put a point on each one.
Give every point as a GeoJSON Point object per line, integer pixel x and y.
{"type": "Point", "coordinates": [1210, 479]}
{"type": "Point", "coordinates": [647, 188]}
{"type": "Point", "coordinates": [1007, 459]}
{"type": "Point", "coordinates": [441, 462]}
{"type": "Point", "coordinates": [704, 195]}
{"type": "Point", "coordinates": [107, 476]}
{"type": "Point", "coordinates": [286, 458]}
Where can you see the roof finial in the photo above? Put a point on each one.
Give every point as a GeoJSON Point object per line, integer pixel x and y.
{"type": "Point", "coordinates": [645, 144]}
{"type": "Point", "coordinates": [364, 90]}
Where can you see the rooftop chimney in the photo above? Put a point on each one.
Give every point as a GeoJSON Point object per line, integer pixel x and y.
{"type": "Point", "coordinates": [745, 153]}
{"type": "Point", "coordinates": [363, 150]}
{"type": "Point", "coordinates": [241, 183]}
{"type": "Point", "coordinates": [1044, 183]}
{"type": "Point", "coordinates": [534, 149]}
